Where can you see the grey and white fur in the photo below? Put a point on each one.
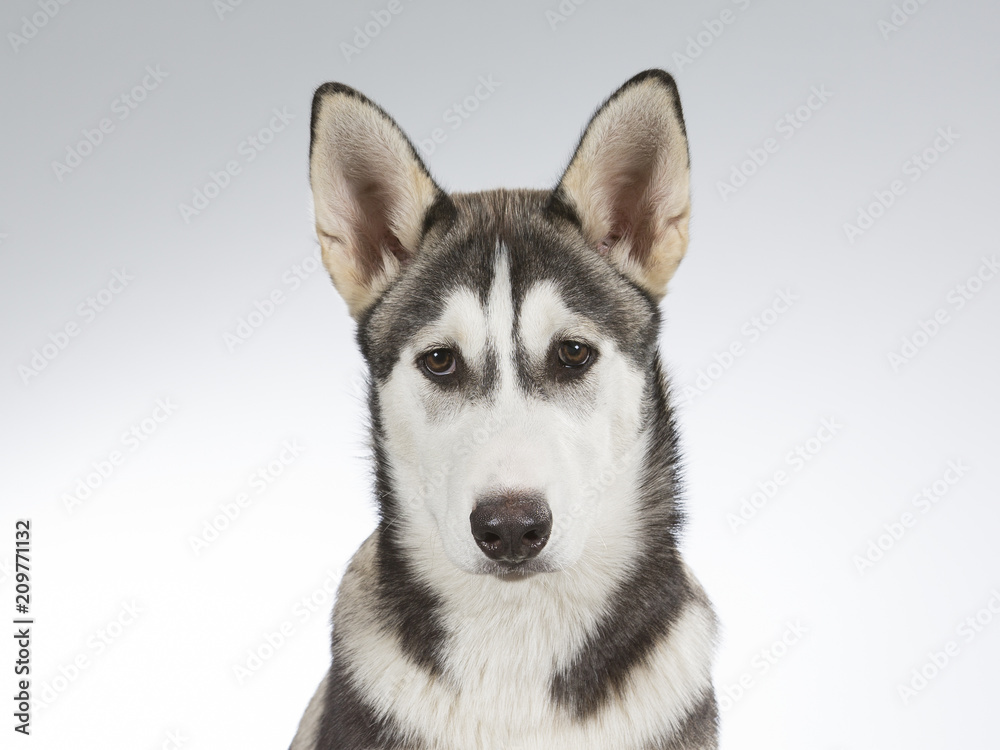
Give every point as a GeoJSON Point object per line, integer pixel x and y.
{"type": "Point", "coordinates": [523, 589]}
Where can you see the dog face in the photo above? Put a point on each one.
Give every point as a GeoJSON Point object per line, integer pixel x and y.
{"type": "Point", "coordinates": [510, 387]}
{"type": "Point", "coordinates": [510, 335]}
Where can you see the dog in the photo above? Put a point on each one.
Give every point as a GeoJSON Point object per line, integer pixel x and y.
{"type": "Point", "coordinates": [523, 589]}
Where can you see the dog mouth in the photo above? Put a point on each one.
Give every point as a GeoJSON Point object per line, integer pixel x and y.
{"type": "Point", "coordinates": [508, 570]}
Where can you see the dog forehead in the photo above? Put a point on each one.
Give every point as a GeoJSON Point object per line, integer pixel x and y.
{"type": "Point", "coordinates": [501, 252]}
{"type": "Point", "coordinates": [502, 320]}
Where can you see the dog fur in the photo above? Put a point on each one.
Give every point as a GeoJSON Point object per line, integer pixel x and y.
{"type": "Point", "coordinates": [604, 638]}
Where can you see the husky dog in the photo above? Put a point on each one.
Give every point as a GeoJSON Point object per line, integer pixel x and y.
{"type": "Point", "coordinates": [523, 589]}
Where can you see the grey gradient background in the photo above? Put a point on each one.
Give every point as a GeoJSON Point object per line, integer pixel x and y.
{"type": "Point", "coordinates": [173, 667]}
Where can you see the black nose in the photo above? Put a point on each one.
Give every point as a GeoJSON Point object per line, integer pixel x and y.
{"type": "Point", "coordinates": [512, 527]}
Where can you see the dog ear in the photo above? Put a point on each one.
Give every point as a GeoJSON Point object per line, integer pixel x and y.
{"type": "Point", "coordinates": [372, 193]}
{"type": "Point", "coordinates": [627, 185]}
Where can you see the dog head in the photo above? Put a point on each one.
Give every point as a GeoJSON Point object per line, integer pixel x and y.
{"type": "Point", "coordinates": [510, 335]}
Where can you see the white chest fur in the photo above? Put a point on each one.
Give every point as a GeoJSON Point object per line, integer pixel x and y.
{"type": "Point", "coordinates": [506, 640]}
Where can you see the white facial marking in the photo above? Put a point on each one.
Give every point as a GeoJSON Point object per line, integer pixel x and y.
{"type": "Point", "coordinates": [575, 444]}
{"type": "Point", "coordinates": [544, 315]}
{"type": "Point", "coordinates": [500, 317]}
{"type": "Point", "coordinates": [462, 323]}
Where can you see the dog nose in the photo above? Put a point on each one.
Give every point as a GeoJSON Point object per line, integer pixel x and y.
{"type": "Point", "coordinates": [511, 527]}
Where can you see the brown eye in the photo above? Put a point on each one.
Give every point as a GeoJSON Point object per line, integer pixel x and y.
{"type": "Point", "coordinates": [440, 362]}
{"type": "Point", "coordinates": [574, 354]}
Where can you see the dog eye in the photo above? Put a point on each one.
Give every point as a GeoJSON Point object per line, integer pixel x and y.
{"type": "Point", "coordinates": [440, 362]}
{"type": "Point", "coordinates": [574, 354]}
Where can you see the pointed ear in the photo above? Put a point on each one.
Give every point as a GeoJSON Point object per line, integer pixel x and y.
{"type": "Point", "coordinates": [372, 193]}
{"type": "Point", "coordinates": [628, 182]}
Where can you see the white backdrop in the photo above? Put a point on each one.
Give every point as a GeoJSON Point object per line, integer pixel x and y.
{"type": "Point", "coordinates": [173, 355]}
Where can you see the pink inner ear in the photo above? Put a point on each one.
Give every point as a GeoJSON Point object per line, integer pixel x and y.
{"type": "Point", "coordinates": [605, 245]}
{"type": "Point", "coordinates": [391, 243]}
{"type": "Point", "coordinates": [376, 241]}
{"type": "Point", "coordinates": [627, 180]}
